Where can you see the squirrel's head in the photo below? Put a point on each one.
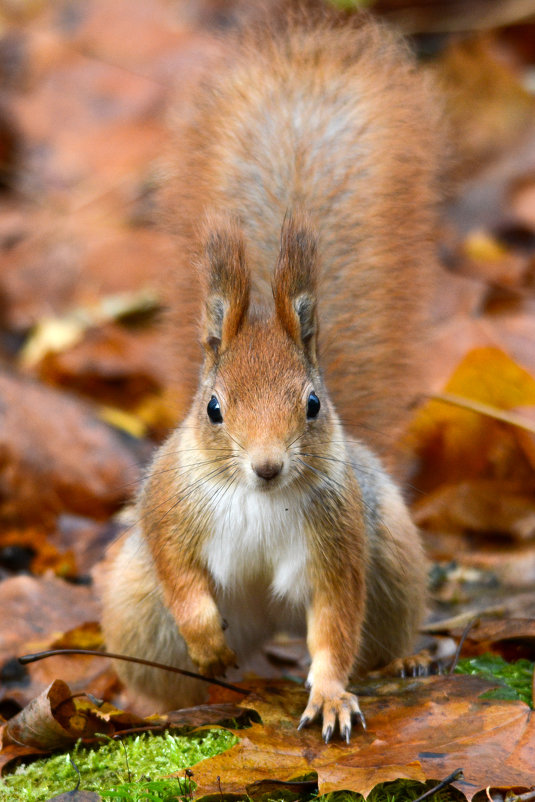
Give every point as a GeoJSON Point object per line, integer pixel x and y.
{"type": "Point", "coordinates": [262, 402]}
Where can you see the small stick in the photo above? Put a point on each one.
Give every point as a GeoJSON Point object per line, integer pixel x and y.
{"type": "Point", "coordinates": [32, 658]}
{"type": "Point", "coordinates": [455, 775]}
{"type": "Point", "coordinates": [77, 770]}
{"type": "Point", "coordinates": [457, 654]}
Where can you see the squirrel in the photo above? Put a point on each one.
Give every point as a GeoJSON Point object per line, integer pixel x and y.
{"type": "Point", "coordinates": [303, 198]}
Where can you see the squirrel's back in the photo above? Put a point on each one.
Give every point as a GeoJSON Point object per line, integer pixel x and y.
{"type": "Point", "coordinates": [333, 120]}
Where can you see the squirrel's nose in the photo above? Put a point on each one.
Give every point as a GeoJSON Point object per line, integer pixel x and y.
{"type": "Point", "coordinates": [267, 469]}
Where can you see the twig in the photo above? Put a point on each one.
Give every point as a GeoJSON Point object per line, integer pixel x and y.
{"type": "Point", "coordinates": [77, 770]}
{"type": "Point", "coordinates": [455, 775]}
{"type": "Point", "coordinates": [457, 654]}
{"type": "Point", "coordinates": [33, 658]}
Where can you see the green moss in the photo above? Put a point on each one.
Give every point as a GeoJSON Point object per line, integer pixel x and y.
{"type": "Point", "coordinates": [351, 5]}
{"type": "Point", "coordinates": [341, 796]}
{"type": "Point", "coordinates": [515, 679]}
{"type": "Point", "coordinates": [408, 790]}
{"type": "Point", "coordinates": [104, 768]}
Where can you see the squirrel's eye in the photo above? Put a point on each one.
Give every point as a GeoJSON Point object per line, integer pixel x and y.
{"type": "Point", "coordinates": [313, 405]}
{"type": "Point", "coordinates": [214, 410]}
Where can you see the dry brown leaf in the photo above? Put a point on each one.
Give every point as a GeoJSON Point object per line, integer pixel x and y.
{"type": "Point", "coordinates": [38, 724]}
{"type": "Point", "coordinates": [483, 632]}
{"type": "Point", "coordinates": [110, 364]}
{"type": "Point", "coordinates": [417, 729]}
{"type": "Point", "coordinates": [40, 606]}
{"type": "Point", "coordinates": [57, 456]}
{"type": "Point", "coordinates": [479, 505]}
{"type": "Point", "coordinates": [452, 15]}
{"type": "Point", "coordinates": [512, 638]}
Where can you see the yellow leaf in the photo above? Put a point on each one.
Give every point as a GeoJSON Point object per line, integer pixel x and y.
{"type": "Point", "coordinates": [481, 246]}
{"type": "Point", "coordinates": [51, 335]}
{"type": "Point", "coordinates": [131, 424]}
{"type": "Point", "coordinates": [454, 444]}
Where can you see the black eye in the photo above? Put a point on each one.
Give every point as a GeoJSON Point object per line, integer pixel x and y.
{"type": "Point", "coordinates": [313, 405]}
{"type": "Point", "coordinates": [214, 410]}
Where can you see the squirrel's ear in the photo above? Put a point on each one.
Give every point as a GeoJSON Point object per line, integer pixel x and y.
{"type": "Point", "coordinates": [226, 284]}
{"type": "Point", "coordinates": [294, 283]}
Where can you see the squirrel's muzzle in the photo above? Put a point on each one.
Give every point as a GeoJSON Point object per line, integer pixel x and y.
{"type": "Point", "coordinates": [267, 469]}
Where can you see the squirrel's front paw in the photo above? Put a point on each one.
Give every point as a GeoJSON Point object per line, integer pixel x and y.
{"type": "Point", "coordinates": [213, 660]}
{"type": "Point", "coordinates": [334, 704]}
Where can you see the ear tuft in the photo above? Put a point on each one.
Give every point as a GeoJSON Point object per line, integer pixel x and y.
{"type": "Point", "coordinates": [226, 283]}
{"type": "Point", "coordinates": [295, 281]}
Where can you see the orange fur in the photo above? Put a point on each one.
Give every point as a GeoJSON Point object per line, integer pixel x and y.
{"type": "Point", "coordinates": [335, 121]}
{"type": "Point", "coordinates": [311, 159]}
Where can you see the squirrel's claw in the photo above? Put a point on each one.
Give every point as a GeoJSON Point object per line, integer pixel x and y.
{"type": "Point", "coordinates": [304, 721]}
{"type": "Point", "coordinates": [341, 708]}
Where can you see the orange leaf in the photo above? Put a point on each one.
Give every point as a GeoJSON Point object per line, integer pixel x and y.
{"type": "Point", "coordinates": [417, 729]}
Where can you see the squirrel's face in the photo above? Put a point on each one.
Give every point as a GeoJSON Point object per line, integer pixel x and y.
{"type": "Point", "coordinates": [266, 409]}
{"type": "Point", "coordinates": [262, 406]}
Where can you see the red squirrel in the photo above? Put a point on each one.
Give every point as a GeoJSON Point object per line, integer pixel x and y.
{"type": "Point", "coordinates": [303, 197]}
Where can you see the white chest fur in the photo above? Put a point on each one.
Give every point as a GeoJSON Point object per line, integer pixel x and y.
{"type": "Point", "coordinates": [259, 538]}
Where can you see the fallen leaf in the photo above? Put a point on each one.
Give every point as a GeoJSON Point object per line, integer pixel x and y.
{"type": "Point", "coordinates": [86, 636]}
{"type": "Point", "coordinates": [37, 725]}
{"type": "Point", "coordinates": [479, 505]}
{"type": "Point", "coordinates": [417, 729]}
{"type": "Point", "coordinates": [512, 638]}
{"type": "Point", "coordinates": [41, 606]}
{"type": "Point", "coordinates": [113, 365]}
{"type": "Point", "coordinates": [56, 719]}
{"type": "Point", "coordinates": [474, 472]}
{"type": "Point", "coordinates": [205, 715]}
{"type": "Point", "coordinates": [43, 553]}
{"type": "Point", "coordinates": [57, 456]}
{"type": "Point", "coordinates": [510, 562]}
{"type": "Point", "coordinates": [487, 259]}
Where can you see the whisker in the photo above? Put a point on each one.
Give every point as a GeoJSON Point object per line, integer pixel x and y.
{"type": "Point", "coordinates": [235, 441]}
{"type": "Point", "coordinates": [299, 436]}
{"type": "Point", "coordinates": [179, 470]}
{"type": "Point", "coordinates": [191, 489]}
{"type": "Point", "coordinates": [322, 474]}
{"type": "Point", "coordinates": [353, 465]}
